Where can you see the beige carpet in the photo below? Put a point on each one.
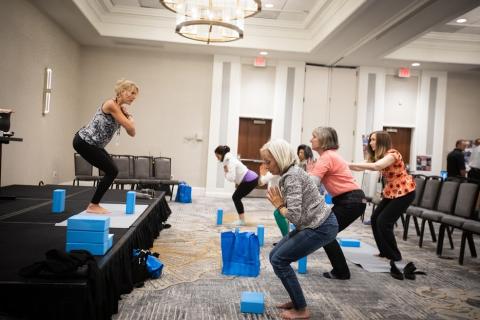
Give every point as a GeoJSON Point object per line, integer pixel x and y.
{"type": "Point", "coordinates": [192, 286]}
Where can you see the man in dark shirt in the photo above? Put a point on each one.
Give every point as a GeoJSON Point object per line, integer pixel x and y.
{"type": "Point", "coordinates": [456, 161]}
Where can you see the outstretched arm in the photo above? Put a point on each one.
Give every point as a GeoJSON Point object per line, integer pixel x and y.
{"type": "Point", "coordinates": [374, 166]}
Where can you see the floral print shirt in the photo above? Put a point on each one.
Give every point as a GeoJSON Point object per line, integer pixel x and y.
{"type": "Point", "coordinates": [398, 181]}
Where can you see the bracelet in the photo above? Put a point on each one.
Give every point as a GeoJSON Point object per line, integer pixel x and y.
{"type": "Point", "coordinates": [280, 207]}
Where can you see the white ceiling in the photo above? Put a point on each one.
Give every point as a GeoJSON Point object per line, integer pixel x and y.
{"type": "Point", "coordinates": [389, 33]}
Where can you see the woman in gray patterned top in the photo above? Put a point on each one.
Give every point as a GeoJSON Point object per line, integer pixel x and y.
{"type": "Point", "coordinates": [297, 198]}
{"type": "Point", "coordinates": [90, 141]}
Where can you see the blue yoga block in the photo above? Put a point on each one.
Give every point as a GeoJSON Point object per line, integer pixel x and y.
{"type": "Point", "coordinates": [87, 236]}
{"type": "Point", "coordinates": [328, 198]}
{"type": "Point", "coordinates": [58, 203]}
{"type": "Point", "coordinates": [260, 234]}
{"type": "Point", "coordinates": [302, 265]}
{"type": "Point", "coordinates": [96, 249]}
{"type": "Point", "coordinates": [252, 302]}
{"type": "Point", "coordinates": [130, 208]}
{"type": "Point", "coordinates": [88, 223]}
{"type": "Point", "coordinates": [349, 243]}
{"type": "Point", "coordinates": [219, 216]}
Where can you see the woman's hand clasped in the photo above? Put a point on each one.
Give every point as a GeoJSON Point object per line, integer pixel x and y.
{"type": "Point", "coordinates": [275, 197]}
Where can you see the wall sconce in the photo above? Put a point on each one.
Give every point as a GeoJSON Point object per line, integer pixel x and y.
{"type": "Point", "coordinates": [47, 90]}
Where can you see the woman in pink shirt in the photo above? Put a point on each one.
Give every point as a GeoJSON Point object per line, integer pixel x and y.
{"type": "Point", "coordinates": [348, 199]}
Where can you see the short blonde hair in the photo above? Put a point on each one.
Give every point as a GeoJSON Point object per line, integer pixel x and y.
{"type": "Point", "coordinates": [123, 84]}
{"type": "Point", "coordinates": [282, 152]}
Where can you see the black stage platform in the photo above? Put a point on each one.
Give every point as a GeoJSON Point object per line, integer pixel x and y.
{"type": "Point", "coordinates": [27, 231]}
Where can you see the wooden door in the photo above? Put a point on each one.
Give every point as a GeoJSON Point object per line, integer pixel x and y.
{"type": "Point", "coordinates": [253, 134]}
{"type": "Point", "coordinates": [401, 140]}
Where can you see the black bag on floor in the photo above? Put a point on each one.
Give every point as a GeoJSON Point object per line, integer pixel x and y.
{"type": "Point", "coordinates": [141, 269]}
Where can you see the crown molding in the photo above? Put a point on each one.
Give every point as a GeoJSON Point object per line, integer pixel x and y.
{"type": "Point", "coordinates": [158, 25]}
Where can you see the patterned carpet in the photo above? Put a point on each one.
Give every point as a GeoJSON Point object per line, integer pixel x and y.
{"type": "Point", "coordinates": [192, 286]}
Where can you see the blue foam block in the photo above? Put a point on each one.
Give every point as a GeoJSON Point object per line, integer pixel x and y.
{"type": "Point", "coordinates": [302, 265]}
{"type": "Point", "coordinates": [88, 223]}
{"type": "Point", "coordinates": [328, 198]}
{"type": "Point", "coordinates": [219, 216]}
{"type": "Point", "coordinates": [58, 203]}
{"type": "Point", "coordinates": [110, 240]}
{"type": "Point", "coordinates": [87, 236]}
{"type": "Point", "coordinates": [260, 234]}
{"type": "Point", "coordinates": [349, 243]}
{"type": "Point", "coordinates": [252, 302]}
{"type": "Point", "coordinates": [97, 249]}
{"type": "Point", "coordinates": [130, 207]}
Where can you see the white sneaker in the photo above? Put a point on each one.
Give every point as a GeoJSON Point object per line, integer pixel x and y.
{"type": "Point", "coordinates": [239, 223]}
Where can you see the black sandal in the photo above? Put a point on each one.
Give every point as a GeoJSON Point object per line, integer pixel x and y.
{"type": "Point", "coordinates": [410, 271]}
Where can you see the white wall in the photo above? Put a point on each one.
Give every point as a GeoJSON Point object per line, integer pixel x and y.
{"type": "Point", "coordinates": [257, 87]}
{"type": "Point", "coordinates": [29, 43]}
{"type": "Point", "coordinates": [172, 107]}
{"type": "Point", "coordinates": [462, 110]}
{"type": "Point", "coordinates": [400, 100]}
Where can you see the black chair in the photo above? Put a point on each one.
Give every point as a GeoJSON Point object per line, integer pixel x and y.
{"type": "Point", "coordinates": [415, 210]}
{"type": "Point", "coordinates": [446, 202]}
{"type": "Point", "coordinates": [464, 208]}
{"type": "Point", "coordinates": [125, 171]}
{"type": "Point", "coordinates": [83, 170]}
{"type": "Point", "coordinates": [162, 174]}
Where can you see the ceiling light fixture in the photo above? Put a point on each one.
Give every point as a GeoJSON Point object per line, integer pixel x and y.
{"type": "Point", "coordinates": [461, 20]}
{"type": "Point", "coordinates": [212, 20]}
{"type": "Point", "coordinates": [416, 64]}
{"type": "Point", "coordinates": [268, 5]}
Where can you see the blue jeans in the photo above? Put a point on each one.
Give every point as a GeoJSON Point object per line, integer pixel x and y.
{"type": "Point", "coordinates": [296, 245]}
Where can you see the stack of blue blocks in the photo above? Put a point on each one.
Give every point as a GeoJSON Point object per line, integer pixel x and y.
{"type": "Point", "coordinates": [89, 233]}
{"type": "Point", "coordinates": [354, 243]}
{"type": "Point", "coordinates": [252, 302]}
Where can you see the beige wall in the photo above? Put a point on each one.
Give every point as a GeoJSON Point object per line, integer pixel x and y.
{"type": "Point", "coordinates": [462, 118]}
{"type": "Point", "coordinates": [29, 42]}
{"type": "Point", "coordinates": [173, 104]}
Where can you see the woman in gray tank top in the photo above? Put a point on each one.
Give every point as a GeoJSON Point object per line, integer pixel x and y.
{"type": "Point", "coordinates": [90, 140]}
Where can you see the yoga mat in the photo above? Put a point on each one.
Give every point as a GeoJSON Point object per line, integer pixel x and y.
{"type": "Point", "coordinates": [118, 217]}
{"type": "Point", "coordinates": [364, 256]}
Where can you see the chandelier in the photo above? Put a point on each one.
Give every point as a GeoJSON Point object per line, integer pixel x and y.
{"type": "Point", "coordinates": [212, 20]}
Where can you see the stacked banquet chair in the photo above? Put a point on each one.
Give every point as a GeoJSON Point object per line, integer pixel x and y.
{"type": "Point", "coordinates": [426, 194]}
{"type": "Point", "coordinates": [443, 210]}
{"type": "Point", "coordinates": [125, 171]}
{"type": "Point", "coordinates": [462, 217]}
{"type": "Point", "coordinates": [83, 170]}
{"type": "Point", "coordinates": [144, 172]}
{"type": "Point", "coordinates": [162, 169]}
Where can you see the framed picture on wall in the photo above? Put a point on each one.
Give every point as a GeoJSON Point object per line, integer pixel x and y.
{"type": "Point", "coordinates": [424, 163]}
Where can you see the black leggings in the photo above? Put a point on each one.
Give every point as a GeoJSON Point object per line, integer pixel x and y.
{"type": "Point", "coordinates": [243, 189]}
{"type": "Point", "coordinates": [347, 207]}
{"type": "Point", "coordinates": [383, 219]}
{"type": "Point", "coordinates": [100, 159]}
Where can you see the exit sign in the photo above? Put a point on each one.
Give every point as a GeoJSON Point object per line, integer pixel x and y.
{"type": "Point", "coordinates": [260, 62]}
{"type": "Point", "coordinates": [404, 73]}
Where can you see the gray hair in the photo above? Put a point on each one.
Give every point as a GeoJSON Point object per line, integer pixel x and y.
{"type": "Point", "coordinates": [327, 137]}
{"type": "Point", "coordinates": [282, 152]}
{"type": "Point", "coordinates": [123, 84]}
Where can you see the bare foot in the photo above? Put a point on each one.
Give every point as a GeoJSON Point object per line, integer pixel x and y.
{"type": "Point", "coordinates": [291, 314]}
{"type": "Point", "coordinates": [95, 208]}
{"type": "Point", "coordinates": [286, 305]}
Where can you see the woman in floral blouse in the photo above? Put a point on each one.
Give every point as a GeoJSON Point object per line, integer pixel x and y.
{"type": "Point", "coordinates": [398, 193]}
